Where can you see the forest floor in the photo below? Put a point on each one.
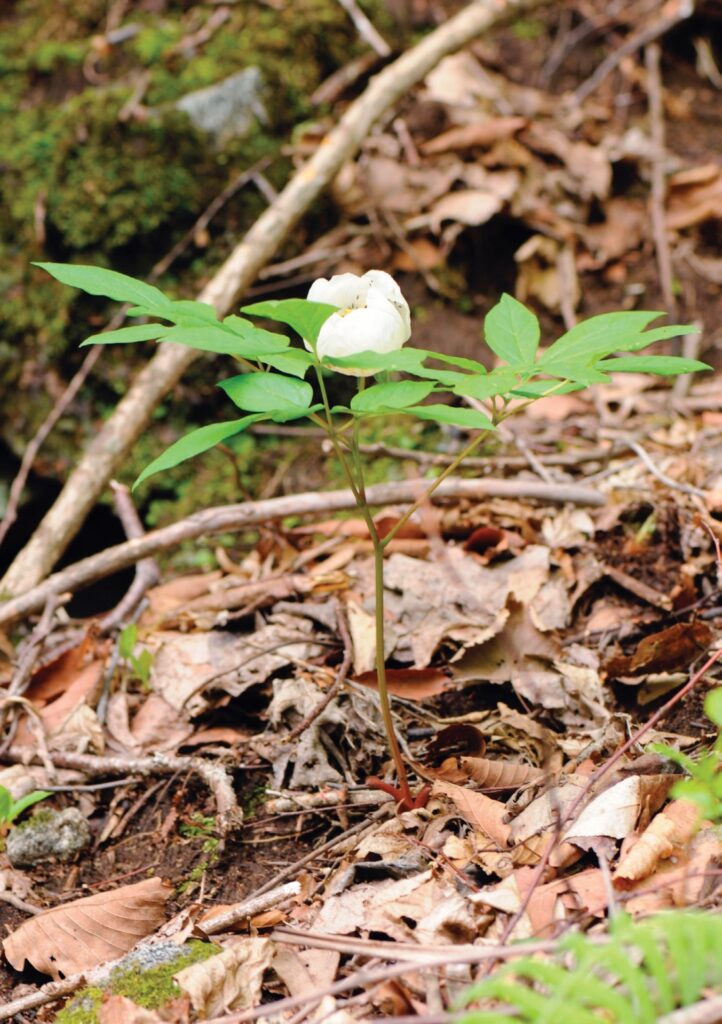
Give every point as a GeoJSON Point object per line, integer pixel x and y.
{"type": "Point", "coordinates": [538, 641]}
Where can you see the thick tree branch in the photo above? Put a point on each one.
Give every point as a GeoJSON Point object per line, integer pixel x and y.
{"type": "Point", "coordinates": [239, 517]}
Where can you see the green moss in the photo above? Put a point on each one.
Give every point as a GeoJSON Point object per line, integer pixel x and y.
{"type": "Point", "coordinates": [150, 988]}
{"type": "Point", "coordinates": [39, 818]}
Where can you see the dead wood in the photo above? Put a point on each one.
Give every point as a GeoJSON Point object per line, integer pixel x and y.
{"type": "Point", "coordinates": [226, 518]}
{"type": "Point", "coordinates": [114, 440]}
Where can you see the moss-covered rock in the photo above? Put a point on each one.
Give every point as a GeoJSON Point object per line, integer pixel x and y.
{"type": "Point", "coordinates": [146, 977]}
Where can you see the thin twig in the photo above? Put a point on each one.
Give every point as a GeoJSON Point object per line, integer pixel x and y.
{"type": "Point", "coordinates": [214, 775]}
{"type": "Point", "coordinates": [675, 485]}
{"type": "Point", "coordinates": [365, 28]}
{"type": "Point", "coordinates": [293, 869]}
{"type": "Point", "coordinates": [147, 573]}
{"type": "Point", "coordinates": [658, 196]}
{"type": "Point", "coordinates": [15, 901]}
{"type": "Point", "coordinates": [680, 11]}
{"type": "Point", "coordinates": [335, 685]}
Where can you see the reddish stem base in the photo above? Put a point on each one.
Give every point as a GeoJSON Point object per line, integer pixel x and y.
{"type": "Point", "coordinates": [405, 800]}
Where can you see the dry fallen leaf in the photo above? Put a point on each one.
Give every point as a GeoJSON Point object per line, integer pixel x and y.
{"type": "Point", "coordinates": [230, 980]}
{"type": "Point", "coordinates": [669, 650]}
{"type": "Point", "coordinates": [616, 812]}
{"type": "Point", "coordinates": [670, 830]}
{"type": "Point", "coordinates": [74, 937]}
{"type": "Point", "coordinates": [411, 683]}
{"type": "Point", "coordinates": [478, 133]}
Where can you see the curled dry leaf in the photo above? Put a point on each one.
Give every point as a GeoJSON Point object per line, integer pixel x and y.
{"type": "Point", "coordinates": [616, 811]}
{"type": "Point", "coordinates": [668, 831]}
{"type": "Point", "coordinates": [76, 936]}
{"type": "Point", "coordinates": [478, 133]}
{"type": "Point", "coordinates": [667, 651]}
{"type": "Point", "coordinates": [231, 980]}
{"type": "Point", "coordinates": [121, 1010]}
{"type": "Point", "coordinates": [499, 774]}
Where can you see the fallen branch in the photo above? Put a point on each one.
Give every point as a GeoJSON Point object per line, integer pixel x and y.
{"type": "Point", "coordinates": [230, 815]}
{"type": "Point", "coordinates": [225, 518]}
{"type": "Point", "coordinates": [108, 450]}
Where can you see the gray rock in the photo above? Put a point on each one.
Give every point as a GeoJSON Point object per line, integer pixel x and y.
{"type": "Point", "coordinates": [48, 835]}
{"type": "Point", "coordinates": [229, 108]}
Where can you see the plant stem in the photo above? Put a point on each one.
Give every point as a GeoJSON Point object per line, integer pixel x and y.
{"type": "Point", "coordinates": [473, 444]}
{"type": "Point", "coordinates": [381, 673]}
{"type": "Point", "coordinates": [334, 439]}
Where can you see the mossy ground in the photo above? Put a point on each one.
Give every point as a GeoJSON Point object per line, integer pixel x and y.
{"type": "Point", "coordinates": [81, 183]}
{"type": "Point", "coordinates": [150, 988]}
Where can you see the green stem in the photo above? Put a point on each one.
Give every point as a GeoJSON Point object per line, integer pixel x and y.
{"type": "Point", "coordinates": [430, 490]}
{"type": "Point", "coordinates": [334, 438]}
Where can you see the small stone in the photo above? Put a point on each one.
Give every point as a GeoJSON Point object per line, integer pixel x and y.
{"type": "Point", "coordinates": [46, 836]}
{"type": "Point", "coordinates": [229, 108]}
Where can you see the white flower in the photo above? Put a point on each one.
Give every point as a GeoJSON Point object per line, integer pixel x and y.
{"type": "Point", "coordinates": [373, 316]}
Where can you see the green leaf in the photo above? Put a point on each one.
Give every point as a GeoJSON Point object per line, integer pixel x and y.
{"type": "Point", "coordinates": [127, 335]}
{"type": "Point", "coordinates": [306, 318]}
{"type": "Point", "coordinates": [6, 802]}
{"type": "Point", "coordinates": [498, 382]}
{"type": "Point", "coordinates": [293, 412]}
{"type": "Point", "coordinates": [713, 706]}
{"type": "Point", "coordinates": [295, 361]}
{"type": "Point", "coordinates": [392, 395]}
{"type": "Point", "coordinates": [111, 284]}
{"type": "Point", "coordinates": [195, 443]}
{"type": "Point", "coordinates": [469, 418]}
{"type": "Point", "coordinates": [581, 372]}
{"type": "Point", "coordinates": [662, 366]}
{"type": "Point", "coordinates": [541, 388]}
{"type": "Point", "coordinates": [660, 334]}
{"type": "Point", "coordinates": [184, 312]}
{"type": "Point", "coordinates": [255, 344]}
{"type": "Point", "coordinates": [512, 332]}
{"type": "Point", "coordinates": [267, 392]}
{"type": "Point", "coordinates": [465, 364]}
{"type": "Point", "coordinates": [406, 360]}
{"type": "Point", "coordinates": [27, 801]}
{"type": "Point", "coordinates": [598, 336]}
{"type": "Point", "coordinates": [127, 640]}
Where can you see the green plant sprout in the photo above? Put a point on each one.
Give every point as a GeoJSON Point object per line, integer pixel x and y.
{"type": "Point", "coordinates": [11, 809]}
{"type": "Point", "coordinates": [704, 785]}
{"type": "Point", "coordinates": [358, 326]}
{"type": "Point", "coordinates": [139, 664]}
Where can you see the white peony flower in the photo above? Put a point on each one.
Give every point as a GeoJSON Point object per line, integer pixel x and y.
{"type": "Point", "coordinates": [373, 316]}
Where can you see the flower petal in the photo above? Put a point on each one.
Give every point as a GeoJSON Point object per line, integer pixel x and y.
{"type": "Point", "coordinates": [348, 291]}
{"type": "Point", "coordinates": [382, 284]}
{"type": "Point", "coordinates": [373, 329]}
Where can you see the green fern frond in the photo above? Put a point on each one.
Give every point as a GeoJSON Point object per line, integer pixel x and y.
{"type": "Point", "coordinates": [643, 970]}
